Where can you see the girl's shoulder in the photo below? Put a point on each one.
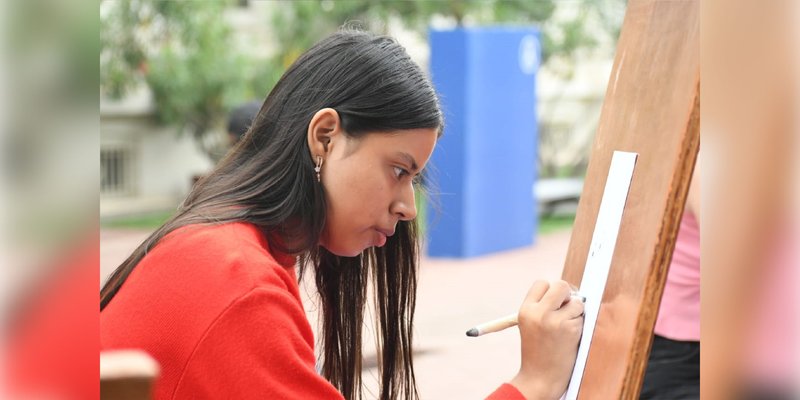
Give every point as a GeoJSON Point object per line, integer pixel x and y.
{"type": "Point", "coordinates": [215, 260]}
{"type": "Point", "coordinates": [224, 240]}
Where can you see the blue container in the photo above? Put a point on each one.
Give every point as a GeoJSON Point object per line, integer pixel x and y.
{"type": "Point", "coordinates": [484, 167]}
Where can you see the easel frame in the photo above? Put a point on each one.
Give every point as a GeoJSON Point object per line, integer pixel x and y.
{"type": "Point", "coordinates": [652, 108]}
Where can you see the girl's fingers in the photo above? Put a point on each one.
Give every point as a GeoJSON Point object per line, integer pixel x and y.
{"type": "Point", "coordinates": [573, 308]}
{"type": "Point", "coordinates": [558, 293]}
{"type": "Point", "coordinates": [536, 292]}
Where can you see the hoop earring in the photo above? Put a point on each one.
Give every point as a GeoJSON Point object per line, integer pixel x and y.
{"type": "Point", "coordinates": [318, 168]}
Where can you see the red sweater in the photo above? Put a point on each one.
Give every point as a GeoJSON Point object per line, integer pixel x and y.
{"type": "Point", "coordinates": [222, 315]}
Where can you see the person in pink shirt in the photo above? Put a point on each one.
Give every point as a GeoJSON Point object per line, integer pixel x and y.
{"type": "Point", "coordinates": [770, 365]}
{"type": "Point", "coordinates": [673, 369]}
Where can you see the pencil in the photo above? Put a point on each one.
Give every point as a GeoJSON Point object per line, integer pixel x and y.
{"type": "Point", "coordinates": [503, 323]}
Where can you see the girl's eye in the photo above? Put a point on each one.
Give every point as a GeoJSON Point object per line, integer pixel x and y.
{"type": "Point", "coordinates": [399, 172]}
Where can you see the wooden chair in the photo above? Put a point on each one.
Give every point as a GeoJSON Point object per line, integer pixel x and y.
{"type": "Point", "coordinates": [127, 375]}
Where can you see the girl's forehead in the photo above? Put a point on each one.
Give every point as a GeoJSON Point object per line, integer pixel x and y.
{"type": "Point", "coordinates": [412, 140]}
{"type": "Point", "coordinates": [412, 147]}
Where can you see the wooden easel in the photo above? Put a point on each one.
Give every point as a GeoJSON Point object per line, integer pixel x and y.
{"type": "Point", "coordinates": [127, 375]}
{"type": "Point", "coordinates": [652, 108]}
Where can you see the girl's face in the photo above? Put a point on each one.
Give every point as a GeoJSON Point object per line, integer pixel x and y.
{"type": "Point", "coordinates": [369, 186]}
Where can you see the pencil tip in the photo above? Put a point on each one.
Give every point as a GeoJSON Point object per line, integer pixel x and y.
{"type": "Point", "coordinates": [472, 332]}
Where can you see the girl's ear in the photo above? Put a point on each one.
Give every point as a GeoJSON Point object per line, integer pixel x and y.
{"type": "Point", "coordinates": [324, 126]}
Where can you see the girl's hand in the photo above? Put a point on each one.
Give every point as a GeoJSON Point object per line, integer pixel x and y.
{"type": "Point", "coordinates": [550, 326]}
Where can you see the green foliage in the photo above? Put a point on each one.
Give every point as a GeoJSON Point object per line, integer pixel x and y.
{"type": "Point", "coordinates": [555, 223]}
{"type": "Point", "coordinates": [184, 52]}
{"type": "Point", "coordinates": [148, 221]}
{"type": "Point", "coordinates": [299, 24]}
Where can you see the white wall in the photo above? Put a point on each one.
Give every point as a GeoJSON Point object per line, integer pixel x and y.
{"type": "Point", "coordinates": [167, 163]}
{"type": "Point", "coordinates": [162, 166]}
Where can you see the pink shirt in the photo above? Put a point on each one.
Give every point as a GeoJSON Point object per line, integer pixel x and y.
{"type": "Point", "coordinates": [679, 315]}
{"type": "Point", "coordinates": [773, 346]}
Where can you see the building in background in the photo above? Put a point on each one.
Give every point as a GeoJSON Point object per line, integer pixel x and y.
{"type": "Point", "coordinates": [144, 166]}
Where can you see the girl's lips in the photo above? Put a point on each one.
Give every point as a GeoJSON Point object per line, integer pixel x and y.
{"type": "Point", "coordinates": [386, 232]}
{"type": "Point", "coordinates": [382, 237]}
{"type": "Point", "coordinates": [381, 240]}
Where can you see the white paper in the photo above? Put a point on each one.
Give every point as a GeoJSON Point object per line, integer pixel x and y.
{"type": "Point", "coordinates": [598, 263]}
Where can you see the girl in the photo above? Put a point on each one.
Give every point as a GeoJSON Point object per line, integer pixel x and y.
{"type": "Point", "coordinates": [324, 178]}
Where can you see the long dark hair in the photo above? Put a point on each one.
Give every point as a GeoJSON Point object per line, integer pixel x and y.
{"type": "Point", "coordinates": [268, 180]}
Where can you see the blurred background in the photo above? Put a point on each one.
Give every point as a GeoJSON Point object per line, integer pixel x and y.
{"type": "Point", "coordinates": [175, 79]}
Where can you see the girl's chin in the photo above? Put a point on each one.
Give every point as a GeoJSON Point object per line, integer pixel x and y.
{"type": "Point", "coordinates": [343, 252]}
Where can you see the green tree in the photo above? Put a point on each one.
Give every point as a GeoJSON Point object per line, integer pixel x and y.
{"type": "Point", "coordinates": [182, 51]}
{"type": "Point", "coordinates": [298, 24]}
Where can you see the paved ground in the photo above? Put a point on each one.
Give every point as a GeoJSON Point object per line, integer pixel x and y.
{"type": "Point", "coordinates": [453, 296]}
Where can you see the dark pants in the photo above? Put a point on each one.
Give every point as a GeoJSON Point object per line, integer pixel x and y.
{"type": "Point", "coordinates": [756, 393]}
{"type": "Point", "coordinates": [673, 371]}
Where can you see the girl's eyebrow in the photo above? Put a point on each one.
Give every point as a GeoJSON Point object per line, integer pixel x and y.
{"type": "Point", "coordinates": [409, 159]}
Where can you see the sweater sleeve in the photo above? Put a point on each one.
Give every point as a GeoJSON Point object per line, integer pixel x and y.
{"type": "Point", "coordinates": [506, 392]}
{"type": "Point", "coordinates": [260, 347]}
